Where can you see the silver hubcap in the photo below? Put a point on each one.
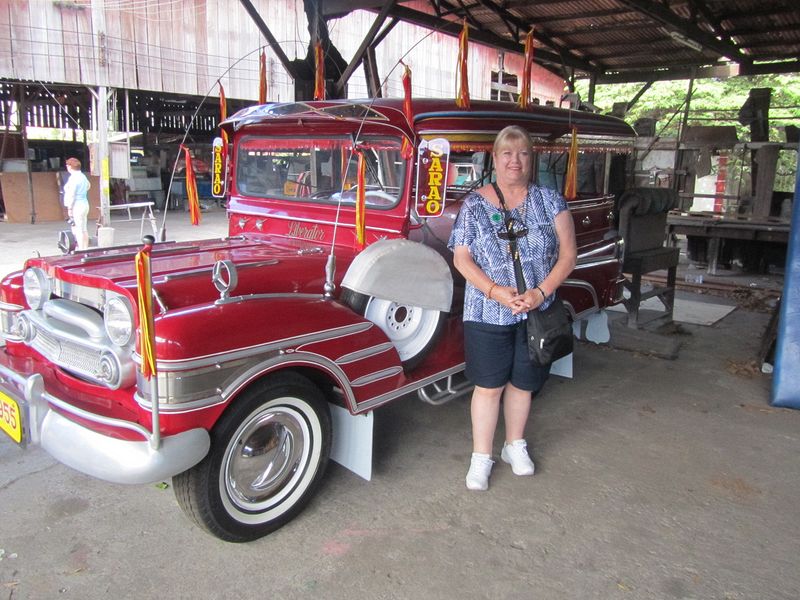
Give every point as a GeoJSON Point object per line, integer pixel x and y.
{"type": "Point", "coordinates": [263, 458]}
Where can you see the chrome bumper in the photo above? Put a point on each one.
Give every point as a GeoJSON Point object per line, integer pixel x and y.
{"type": "Point", "coordinates": [95, 454]}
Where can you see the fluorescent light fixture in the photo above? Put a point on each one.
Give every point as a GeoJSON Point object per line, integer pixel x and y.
{"type": "Point", "coordinates": [689, 43]}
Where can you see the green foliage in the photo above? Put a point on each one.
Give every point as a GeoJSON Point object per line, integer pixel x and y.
{"type": "Point", "coordinates": [714, 101]}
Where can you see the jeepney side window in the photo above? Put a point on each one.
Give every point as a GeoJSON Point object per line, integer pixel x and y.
{"type": "Point", "coordinates": [320, 170]}
{"type": "Point", "coordinates": [551, 170]}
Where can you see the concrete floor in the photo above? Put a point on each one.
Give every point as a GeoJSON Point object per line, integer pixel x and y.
{"type": "Point", "coordinates": [655, 479]}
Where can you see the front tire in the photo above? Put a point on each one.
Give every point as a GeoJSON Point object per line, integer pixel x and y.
{"type": "Point", "coordinates": [268, 454]}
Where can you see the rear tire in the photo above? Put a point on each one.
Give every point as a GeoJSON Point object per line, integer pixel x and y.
{"type": "Point", "coordinates": [268, 454]}
{"type": "Point", "coordinates": [413, 330]}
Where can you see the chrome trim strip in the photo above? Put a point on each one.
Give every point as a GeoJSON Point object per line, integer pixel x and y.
{"type": "Point", "coordinates": [269, 295]}
{"type": "Point", "coordinates": [597, 263]}
{"type": "Point", "coordinates": [587, 203]}
{"type": "Point", "coordinates": [296, 358]}
{"type": "Point", "coordinates": [579, 283]}
{"type": "Point", "coordinates": [376, 376]}
{"type": "Point", "coordinates": [607, 249]}
{"type": "Point", "coordinates": [10, 307]}
{"type": "Point", "coordinates": [472, 132]}
{"type": "Point", "coordinates": [209, 269]}
{"type": "Point", "coordinates": [82, 294]}
{"type": "Point", "coordinates": [364, 353]}
{"type": "Point", "coordinates": [251, 373]}
{"type": "Point", "coordinates": [181, 408]}
{"type": "Point", "coordinates": [403, 390]}
{"type": "Point", "coordinates": [136, 247]}
{"type": "Point", "coordinates": [213, 359]}
{"type": "Point", "coordinates": [317, 221]}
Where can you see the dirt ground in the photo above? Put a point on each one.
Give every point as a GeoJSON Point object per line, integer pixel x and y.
{"type": "Point", "coordinates": [655, 479]}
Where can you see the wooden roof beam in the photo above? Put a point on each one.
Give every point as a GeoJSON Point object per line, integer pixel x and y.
{"type": "Point", "coordinates": [671, 21]}
{"type": "Point", "coordinates": [565, 55]}
{"type": "Point", "coordinates": [490, 39]}
{"type": "Point", "coordinates": [273, 43]}
{"type": "Point", "coordinates": [720, 71]}
{"type": "Point", "coordinates": [369, 38]}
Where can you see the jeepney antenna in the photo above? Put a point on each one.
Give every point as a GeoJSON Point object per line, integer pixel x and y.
{"type": "Point", "coordinates": [162, 232]}
{"type": "Point", "coordinates": [329, 287]}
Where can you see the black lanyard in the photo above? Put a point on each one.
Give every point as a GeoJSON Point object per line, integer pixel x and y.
{"type": "Point", "coordinates": [511, 235]}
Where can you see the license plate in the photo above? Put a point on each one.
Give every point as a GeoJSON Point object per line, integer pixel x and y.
{"type": "Point", "coordinates": [11, 417]}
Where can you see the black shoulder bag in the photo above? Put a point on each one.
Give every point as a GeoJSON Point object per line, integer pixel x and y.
{"type": "Point", "coordinates": [549, 330]}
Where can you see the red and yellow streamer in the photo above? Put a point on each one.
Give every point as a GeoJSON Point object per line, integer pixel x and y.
{"type": "Point", "coordinates": [144, 288]}
{"type": "Point", "coordinates": [361, 204]}
{"type": "Point", "coordinates": [407, 149]}
{"type": "Point", "coordinates": [191, 188]}
{"type": "Point", "coordinates": [462, 79]}
{"type": "Point", "coordinates": [319, 70]}
{"type": "Point", "coordinates": [223, 114]}
{"type": "Point", "coordinates": [571, 183]}
{"type": "Point", "coordinates": [262, 78]}
{"type": "Point", "coordinates": [525, 89]}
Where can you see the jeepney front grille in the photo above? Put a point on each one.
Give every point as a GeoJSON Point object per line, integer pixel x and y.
{"type": "Point", "coordinates": [74, 344]}
{"type": "Point", "coordinates": [67, 354]}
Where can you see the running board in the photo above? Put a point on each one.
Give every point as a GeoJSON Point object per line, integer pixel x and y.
{"type": "Point", "coordinates": [437, 394]}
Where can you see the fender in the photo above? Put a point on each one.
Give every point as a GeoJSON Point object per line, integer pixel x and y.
{"type": "Point", "coordinates": [207, 352]}
{"type": "Point", "coordinates": [402, 271]}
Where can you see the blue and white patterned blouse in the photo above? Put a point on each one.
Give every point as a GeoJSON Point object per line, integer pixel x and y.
{"type": "Point", "coordinates": [476, 227]}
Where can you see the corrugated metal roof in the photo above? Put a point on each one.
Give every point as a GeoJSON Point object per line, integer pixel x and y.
{"type": "Point", "coordinates": [631, 40]}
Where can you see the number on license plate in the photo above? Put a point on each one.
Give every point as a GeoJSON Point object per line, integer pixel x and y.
{"type": "Point", "coordinates": [10, 417]}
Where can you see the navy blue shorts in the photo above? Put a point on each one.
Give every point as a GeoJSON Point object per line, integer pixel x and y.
{"type": "Point", "coordinates": [498, 354]}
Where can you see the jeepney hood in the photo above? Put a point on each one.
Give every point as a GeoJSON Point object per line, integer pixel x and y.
{"type": "Point", "coordinates": [182, 271]}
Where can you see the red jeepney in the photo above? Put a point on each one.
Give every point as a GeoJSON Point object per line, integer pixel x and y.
{"type": "Point", "coordinates": [274, 344]}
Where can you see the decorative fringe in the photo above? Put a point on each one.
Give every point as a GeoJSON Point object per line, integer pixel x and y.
{"type": "Point", "coordinates": [462, 78]}
{"type": "Point", "coordinates": [361, 196]}
{"type": "Point", "coordinates": [571, 183]}
{"type": "Point", "coordinates": [407, 149]}
{"type": "Point", "coordinates": [319, 79]}
{"type": "Point", "coordinates": [223, 114]}
{"type": "Point", "coordinates": [191, 188]}
{"type": "Point", "coordinates": [144, 288]}
{"type": "Point", "coordinates": [223, 104]}
{"type": "Point", "coordinates": [525, 90]}
{"type": "Point", "coordinates": [262, 78]}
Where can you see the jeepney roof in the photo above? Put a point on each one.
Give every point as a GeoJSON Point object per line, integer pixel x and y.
{"type": "Point", "coordinates": [437, 116]}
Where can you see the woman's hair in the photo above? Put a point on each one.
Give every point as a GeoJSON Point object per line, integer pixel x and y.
{"type": "Point", "coordinates": [512, 133]}
{"type": "Point", "coordinates": [74, 163]}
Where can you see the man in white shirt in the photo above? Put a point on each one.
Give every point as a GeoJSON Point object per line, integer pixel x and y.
{"type": "Point", "coordinates": [77, 202]}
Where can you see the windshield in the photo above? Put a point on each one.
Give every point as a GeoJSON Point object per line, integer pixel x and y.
{"type": "Point", "coordinates": [322, 170]}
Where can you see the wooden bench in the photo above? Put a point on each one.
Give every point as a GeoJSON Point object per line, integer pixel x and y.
{"type": "Point", "coordinates": [147, 213]}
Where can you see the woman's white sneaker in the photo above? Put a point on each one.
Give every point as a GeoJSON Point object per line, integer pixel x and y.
{"type": "Point", "coordinates": [516, 454]}
{"type": "Point", "coordinates": [480, 466]}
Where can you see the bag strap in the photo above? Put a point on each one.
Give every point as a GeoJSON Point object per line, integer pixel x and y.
{"type": "Point", "coordinates": [519, 275]}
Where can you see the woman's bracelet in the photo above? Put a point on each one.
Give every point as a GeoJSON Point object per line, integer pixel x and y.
{"type": "Point", "coordinates": [541, 291]}
{"type": "Point", "coordinates": [489, 293]}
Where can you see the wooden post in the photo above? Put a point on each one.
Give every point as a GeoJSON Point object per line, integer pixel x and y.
{"type": "Point", "coordinates": [24, 131]}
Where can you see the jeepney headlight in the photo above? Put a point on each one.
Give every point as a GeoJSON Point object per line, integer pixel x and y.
{"type": "Point", "coordinates": [36, 287]}
{"type": "Point", "coordinates": [118, 320]}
